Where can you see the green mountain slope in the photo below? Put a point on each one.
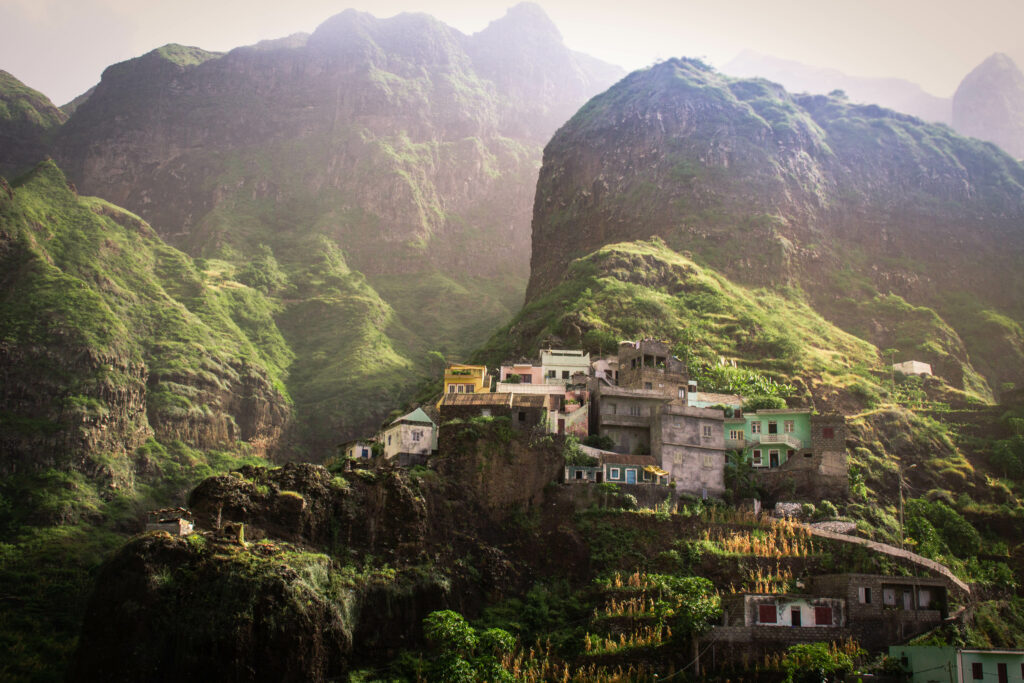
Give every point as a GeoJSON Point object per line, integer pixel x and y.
{"type": "Point", "coordinates": [902, 233]}
{"type": "Point", "coordinates": [28, 120]}
{"type": "Point", "coordinates": [127, 374]}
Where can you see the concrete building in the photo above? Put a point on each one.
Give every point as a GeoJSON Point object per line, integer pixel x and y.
{"type": "Point", "coordinates": [524, 372]}
{"type": "Point", "coordinates": [688, 444]}
{"type": "Point", "coordinates": [559, 365]}
{"type": "Point", "coordinates": [786, 610]}
{"type": "Point", "coordinates": [913, 367]}
{"type": "Point", "coordinates": [650, 365]}
{"type": "Point", "coordinates": [606, 369]}
{"type": "Point", "coordinates": [936, 664]}
{"type": "Point", "coordinates": [409, 439]}
{"type": "Point", "coordinates": [360, 449]}
{"type": "Point", "coordinates": [465, 379]}
{"type": "Point", "coordinates": [624, 415]}
{"type": "Point", "coordinates": [524, 411]}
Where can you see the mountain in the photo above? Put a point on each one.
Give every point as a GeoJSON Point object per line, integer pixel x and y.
{"type": "Point", "coordinates": [989, 104]}
{"type": "Point", "coordinates": [386, 166]}
{"type": "Point", "coordinates": [27, 121]}
{"type": "Point", "coordinates": [903, 234]}
{"type": "Point", "coordinates": [894, 93]}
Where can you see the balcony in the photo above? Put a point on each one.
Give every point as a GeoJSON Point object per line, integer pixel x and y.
{"type": "Point", "coordinates": [625, 420]}
{"type": "Point", "coordinates": [786, 439]}
{"type": "Point", "coordinates": [737, 443]}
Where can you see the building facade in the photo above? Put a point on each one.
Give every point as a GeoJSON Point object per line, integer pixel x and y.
{"type": "Point", "coordinates": [936, 664]}
{"type": "Point", "coordinates": [688, 444]}
{"type": "Point", "coordinates": [465, 379]}
{"type": "Point", "coordinates": [410, 439]}
{"type": "Point", "coordinates": [559, 365]}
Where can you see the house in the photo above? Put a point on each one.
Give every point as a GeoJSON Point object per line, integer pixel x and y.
{"type": "Point", "coordinates": [887, 609]}
{"type": "Point", "coordinates": [786, 610]}
{"type": "Point", "coordinates": [525, 411]}
{"type": "Point", "coordinates": [409, 439]}
{"type": "Point", "coordinates": [523, 372]}
{"type": "Point", "coordinates": [687, 442]}
{"type": "Point", "coordinates": [632, 469]}
{"type": "Point", "coordinates": [175, 521]}
{"type": "Point", "coordinates": [646, 412]}
{"type": "Point", "coordinates": [792, 450]}
{"type": "Point", "coordinates": [873, 609]}
{"type": "Point", "coordinates": [565, 391]}
{"type": "Point", "coordinates": [913, 367]}
{"type": "Point", "coordinates": [465, 379]}
{"type": "Point", "coordinates": [559, 365]}
{"type": "Point", "coordinates": [650, 366]}
{"type": "Point", "coordinates": [360, 449]}
{"type": "Point", "coordinates": [937, 664]}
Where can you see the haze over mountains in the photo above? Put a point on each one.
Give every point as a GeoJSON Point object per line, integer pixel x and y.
{"type": "Point", "coordinates": [382, 169]}
{"type": "Point", "coordinates": [987, 104]}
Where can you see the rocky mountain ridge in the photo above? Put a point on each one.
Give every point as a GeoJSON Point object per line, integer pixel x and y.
{"type": "Point", "coordinates": [385, 166]}
{"type": "Point", "coordinates": [833, 202]}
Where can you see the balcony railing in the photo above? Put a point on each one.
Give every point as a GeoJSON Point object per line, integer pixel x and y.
{"type": "Point", "coordinates": [626, 420]}
{"type": "Point", "coordinates": [787, 439]}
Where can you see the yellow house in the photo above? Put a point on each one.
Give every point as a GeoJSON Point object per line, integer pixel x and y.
{"type": "Point", "coordinates": [465, 379]}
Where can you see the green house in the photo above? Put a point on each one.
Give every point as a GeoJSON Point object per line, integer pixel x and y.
{"type": "Point", "coordinates": [927, 664]}
{"type": "Point", "coordinates": [768, 438]}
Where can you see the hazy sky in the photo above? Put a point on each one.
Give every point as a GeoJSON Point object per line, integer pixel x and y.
{"type": "Point", "coordinates": [62, 46]}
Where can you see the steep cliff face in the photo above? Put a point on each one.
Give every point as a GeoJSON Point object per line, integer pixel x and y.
{"type": "Point", "coordinates": [110, 337]}
{"type": "Point", "coordinates": [838, 204]}
{"type": "Point", "coordinates": [28, 120]}
{"type": "Point", "coordinates": [397, 155]}
{"type": "Point", "coordinates": [989, 104]}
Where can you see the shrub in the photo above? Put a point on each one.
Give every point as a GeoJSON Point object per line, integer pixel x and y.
{"type": "Point", "coordinates": [826, 510]}
{"type": "Point", "coordinates": [807, 510]}
{"type": "Point", "coordinates": [755, 403]}
{"type": "Point", "coordinates": [602, 441]}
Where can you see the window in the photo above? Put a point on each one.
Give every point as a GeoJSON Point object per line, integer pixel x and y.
{"type": "Point", "coordinates": [451, 388]}
{"type": "Point", "coordinates": [757, 457]}
{"type": "Point", "coordinates": [389, 439]}
{"type": "Point", "coordinates": [485, 412]}
{"type": "Point", "coordinates": [707, 461]}
{"type": "Point", "coordinates": [469, 388]}
{"type": "Point", "coordinates": [889, 597]}
{"type": "Point", "coordinates": [755, 427]}
{"type": "Point", "coordinates": [522, 416]}
{"type": "Point", "coordinates": [526, 379]}
{"type": "Point", "coordinates": [788, 426]}
{"type": "Point", "coordinates": [614, 473]}
{"type": "Point", "coordinates": [646, 476]}
{"type": "Point", "coordinates": [565, 374]}
{"type": "Point", "coordinates": [864, 595]}
{"type": "Point", "coordinates": [822, 616]}
{"type": "Point", "coordinates": [682, 392]}
{"type": "Point", "coordinates": [828, 433]}
{"type": "Point", "coordinates": [579, 474]}
{"type": "Point", "coordinates": [634, 410]}
{"type": "Point", "coordinates": [735, 434]}
{"type": "Point", "coordinates": [977, 672]}
{"type": "Point", "coordinates": [462, 389]}
{"type": "Point", "coordinates": [773, 427]}
{"type": "Point", "coordinates": [648, 385]}
{"type": "Point", "coordinates": [677, 459]}
{"type": "Point", "coordinates": [766, 614]}
{"type": "Point", "coordinates": [924, 598]}
{"type": "Point", "coordinates": [417, 435]}
{"type": "Point", "coordinates": [707, 431]}
{"type": "Point", "coordinates": [366, 453]}
{"type": "Point", "coordinates": [551, 374]}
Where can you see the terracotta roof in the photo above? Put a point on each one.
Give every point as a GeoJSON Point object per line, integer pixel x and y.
{"type": "Point", "coordinates": [496, 399]}
{"type": "Point", "coordinates": [620, 459]}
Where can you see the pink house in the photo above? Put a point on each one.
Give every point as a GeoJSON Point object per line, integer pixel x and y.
{"type": "Point", "coordinates": [526, 372]}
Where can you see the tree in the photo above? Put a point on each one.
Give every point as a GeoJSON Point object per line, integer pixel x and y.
{"type": "Point", "coordinates": [465, 654]}
{"type": "Point", "coordinates": [815, 662]}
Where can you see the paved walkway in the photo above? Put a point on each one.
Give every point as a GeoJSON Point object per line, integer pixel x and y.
{"type": "Point", "coordinates": [893, 551]}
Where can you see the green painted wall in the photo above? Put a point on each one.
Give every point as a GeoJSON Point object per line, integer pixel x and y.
{"type": "Point", "coordinates": [801, 434]}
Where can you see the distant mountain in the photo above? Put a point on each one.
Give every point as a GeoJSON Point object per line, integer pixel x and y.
{"type": "Point", "coordinates": [989, 104]}
{"type": "Point", "coordinates": [27, 121]}
{"type": "Point", "coordinates": [901, 233]}
{"type": "Point", "coordinates": [386, 165]}
{"type": "Point", "coordinates": [894, 93]}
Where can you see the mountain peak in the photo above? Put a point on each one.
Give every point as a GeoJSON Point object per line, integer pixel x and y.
{"type": "Point", "coordinates": [525, 19]}
{"type": "Point", "coordinates": [989, 104]}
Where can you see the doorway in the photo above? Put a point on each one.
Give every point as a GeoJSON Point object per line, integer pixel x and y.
{"type": "Point", "coordinates": [795, 617]}
{"type": "Point", "coordinates": [630, 476]}
{"type": "Point", "coordinates": [773, 458]}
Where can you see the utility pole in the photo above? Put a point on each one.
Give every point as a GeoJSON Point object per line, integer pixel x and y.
{"type": "Point", "coordinates": [899, 473]}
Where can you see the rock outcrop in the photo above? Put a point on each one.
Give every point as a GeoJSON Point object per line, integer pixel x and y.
{"type": "Point", "coordinates": [989, 104]}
